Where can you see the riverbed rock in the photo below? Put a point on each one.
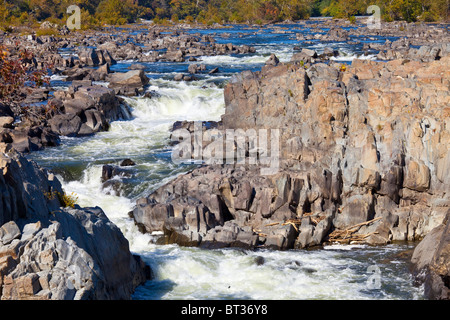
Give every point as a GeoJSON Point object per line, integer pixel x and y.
{"type": "Point", "coordinates": [273, 60]}
{"type": "Point", "coordinates": [87, 110]}
{"type": "Point", "coordinates": [128, 83]}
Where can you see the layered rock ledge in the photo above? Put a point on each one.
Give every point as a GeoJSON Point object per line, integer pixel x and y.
{"type": "Point", "coordinates": [49, 251]}
{"type": "Point", "coordinates": [364, 158]}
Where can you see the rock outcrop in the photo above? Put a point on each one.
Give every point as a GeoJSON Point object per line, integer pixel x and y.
{"type": "Point", "coordinates": [83, 109]}
{"type": "Point", "coordinates": [364, 149]}
{"type": "Point", "coordinates": [49, 251]}
{"type": "Point", "coordinates": [431, 260]}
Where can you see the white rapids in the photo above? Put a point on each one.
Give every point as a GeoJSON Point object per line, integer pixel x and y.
{"type": "Point", "coordinates": [335, 272]}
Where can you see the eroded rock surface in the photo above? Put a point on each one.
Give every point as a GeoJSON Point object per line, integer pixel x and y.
{"type": "Point", "coordinates": [48, 251]}
{"type": "Point", "coordinates": [369, 142]}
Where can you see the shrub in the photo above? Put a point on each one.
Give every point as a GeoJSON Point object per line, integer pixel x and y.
{"type": "Point", "coordinates": [17, 72]}
{"type": "Point", "coordinates": [66, 200]}
{"type": "Point", "coordinates": [47, 32]}
{"type": "Point", "coordinates": [428, 17]}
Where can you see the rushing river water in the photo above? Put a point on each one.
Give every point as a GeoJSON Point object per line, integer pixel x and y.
{"type": "Point", "coordinates": [335, 272]}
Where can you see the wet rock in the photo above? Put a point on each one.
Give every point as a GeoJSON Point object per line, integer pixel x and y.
{"type": "Point", "coordinates": [330, 52]}
{"type": "Point", "coordinates": [127, 163]}
{"type": "Point", "coordinates": [195, 68]}
{"type": "Point", "coordinates": [137, 66]}
{"type": "Point", "coordinates": [178, 77]}
{"type": "Point", "coordinates": [259, 260]}
{"type": "Point", "coordinates": [214, 70]}
{"type": "Point", "coordinates": [110, 171]}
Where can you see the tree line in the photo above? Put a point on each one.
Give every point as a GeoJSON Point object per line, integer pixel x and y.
{"type": "Point", "coordinates": [113, 12]}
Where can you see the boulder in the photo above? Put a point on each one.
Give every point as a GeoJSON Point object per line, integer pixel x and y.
{"type": "Point", "coordinates": [88, 57]}
{"type": "Point", "coordinates": [128, 83]}
{"type": "Point", "coordinates": [110, 171]}
{"type": "Point", "coordinates": [127, 163]}
{"type": "Point", "coordinates": [273, 60]}
{"type": "Point", "coordinates": [8, 232]}
{"type": "Point", "coordinates": [196, 68]}
{"type": "Point", "coordinates": [66, 124]}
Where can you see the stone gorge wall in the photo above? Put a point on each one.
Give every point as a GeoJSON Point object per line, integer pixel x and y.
{"type": "Point", "coordinates": [365, 156]}
{"type": "Point", "coordinates": [381, 130]}
{"type": "Point", "coordinates": [370, 141]}
{"type": "Point", "coordinates": [51, 252]}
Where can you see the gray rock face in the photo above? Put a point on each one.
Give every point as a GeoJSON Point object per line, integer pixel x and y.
{"type": "Point", "coordinates": [128, 83]}
{"type": "Point", "coordinates": [363, 152]}
{"type": "Point", "coordinates": [50, 252]}
{"type": "Point", "coordinates": [25, 188]}
{"type": "Point", "coordinates": [431, 260]}
{"type": "Point", "coordinates": [80, 255]}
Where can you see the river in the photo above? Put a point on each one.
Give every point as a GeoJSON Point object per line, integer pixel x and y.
{"type": "Point", "coordinates": [334, 272]}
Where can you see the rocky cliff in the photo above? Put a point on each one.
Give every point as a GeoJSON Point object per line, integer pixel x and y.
{"type": "Point", "coordinates": [364, 157]}
{"type": "Point", "coordinates": [48, 251]}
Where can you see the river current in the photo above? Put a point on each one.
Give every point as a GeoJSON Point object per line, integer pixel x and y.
{"type": "Point", "coordinates": [334, 272]}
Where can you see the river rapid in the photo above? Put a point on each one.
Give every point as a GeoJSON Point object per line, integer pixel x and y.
{"type": "Point", "coordinates": [334, 272]}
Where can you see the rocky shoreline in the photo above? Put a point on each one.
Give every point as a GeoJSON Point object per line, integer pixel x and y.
{"type": "Point", "coordinates": [364, 158]}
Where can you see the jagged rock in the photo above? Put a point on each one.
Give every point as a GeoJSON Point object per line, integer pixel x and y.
{"type": "Point", "coordinates": [88, 109]}
{"type": "Point", "coordinates": [431, 261]}
{"type": "Point", "coordinates": [50, 252]}
{"type": "Point", "coordinates": [356, 145]}
{"type": "Point", "coordinates": [66, 124]}
{"type": "Point", "coordinates": [127, 163]}
{"type": "Point", "coordinates": [273, 60]}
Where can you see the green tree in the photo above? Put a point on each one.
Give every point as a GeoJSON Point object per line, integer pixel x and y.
{"type": "Point", "coordinates": [118, 11]}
